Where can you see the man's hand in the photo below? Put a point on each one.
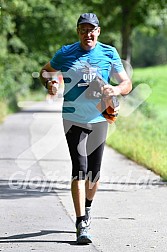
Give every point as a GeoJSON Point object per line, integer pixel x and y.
{"type": "Point", "coordinates": [109, 90]}
{"type": "Point", "coordinates": [52, 86]}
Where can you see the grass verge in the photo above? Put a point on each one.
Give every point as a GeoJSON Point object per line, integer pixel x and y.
{"type": "Point", "coordinates": [142, 141]}
{"type": "Point", "coordinates": [142, 136]}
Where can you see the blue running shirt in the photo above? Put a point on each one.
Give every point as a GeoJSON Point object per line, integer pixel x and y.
{"type": "Point", "coordinates": [79, 67]}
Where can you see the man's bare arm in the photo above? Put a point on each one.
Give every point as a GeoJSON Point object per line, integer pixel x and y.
{"type": "Point", "coordinates": [46, 76]}
{"type": "Point", "coordinates": [46, 73]}
{"type": "Point", "coordinates": [124, 85]}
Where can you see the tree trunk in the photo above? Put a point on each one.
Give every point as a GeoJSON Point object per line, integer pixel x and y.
{"type": "Point", "coordinates": [126, 32]}
{"type": "Point", "coordinates": [126, 43]}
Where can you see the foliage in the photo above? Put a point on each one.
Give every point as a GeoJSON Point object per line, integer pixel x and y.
{"type": "Point", "coordinates": [32, 30]}
{"type": "Point", "coordinates": [122, 17]}
{"type": "Point", "coordinates": [149, 47]}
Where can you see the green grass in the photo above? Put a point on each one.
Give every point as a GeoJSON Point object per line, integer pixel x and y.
{"type": "Point", "coordinates": [142, 136]}
{"type": "Point", "coordinates": [156, 77]}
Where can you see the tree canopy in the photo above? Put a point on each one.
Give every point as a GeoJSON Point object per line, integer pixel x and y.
{"type": "Point", "coordinates": [32, 30]}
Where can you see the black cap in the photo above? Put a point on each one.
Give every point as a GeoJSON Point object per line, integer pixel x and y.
{"type": "Point", "coordinates": [89, 18]}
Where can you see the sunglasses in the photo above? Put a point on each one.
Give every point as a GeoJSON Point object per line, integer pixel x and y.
{"type": "Point", "coordinates": [87, 30]}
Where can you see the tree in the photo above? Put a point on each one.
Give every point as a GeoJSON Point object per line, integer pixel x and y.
{"type": "Point", "coordinates": [135, 13]}
{"type": "Point", "coordinates": [149, 47]}
{"type": "Point", "coordinates": [31, 32]}
{"type": "Point", "coordinates": [125, 16]}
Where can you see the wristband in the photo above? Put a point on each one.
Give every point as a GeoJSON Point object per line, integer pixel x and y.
{"type": "Point", "coordinates": [46, 84]}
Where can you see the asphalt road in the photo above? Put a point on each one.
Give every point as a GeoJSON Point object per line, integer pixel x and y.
{"type": "Point", "coordinates": [36, 210]}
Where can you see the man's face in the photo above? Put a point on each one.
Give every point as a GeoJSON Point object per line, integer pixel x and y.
{"type": "Point", "coordinates": [88, 35]}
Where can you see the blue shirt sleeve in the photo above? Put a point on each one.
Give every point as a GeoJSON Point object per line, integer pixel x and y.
{"type": "Point", "coordinates": [117, 65]}
{"type": "Point", "coordinates": [56, 61]}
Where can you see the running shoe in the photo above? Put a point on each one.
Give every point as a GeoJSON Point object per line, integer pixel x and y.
{"type": "Point", "coordinates": [83, 237]}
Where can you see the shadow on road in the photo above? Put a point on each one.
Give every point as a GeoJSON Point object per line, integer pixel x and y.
{"type": "Point", "coordinates": [33, 188]}
{"type": "Point", "coordinates": [24, 189]}
{"type": "Point", "coordinates": [22, 238]}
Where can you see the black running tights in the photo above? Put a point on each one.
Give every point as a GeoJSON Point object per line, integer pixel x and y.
{"type": "Point", "coordinates": [86, 144]}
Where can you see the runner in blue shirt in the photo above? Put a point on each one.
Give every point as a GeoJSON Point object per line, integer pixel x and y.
{"type": "Point", "coordinates": [85, 126]}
